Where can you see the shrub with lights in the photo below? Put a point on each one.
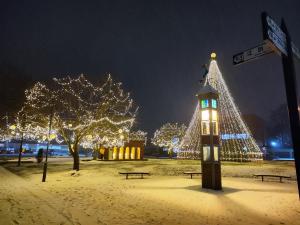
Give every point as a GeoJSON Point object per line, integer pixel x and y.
{"type": "Point", "coordinates": [169, 136]}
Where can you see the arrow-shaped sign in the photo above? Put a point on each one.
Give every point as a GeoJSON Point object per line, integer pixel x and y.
{"type": "Point", "coordinates": [252, 53]}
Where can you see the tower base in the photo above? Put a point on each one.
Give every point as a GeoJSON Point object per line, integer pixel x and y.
{"type": "Point", "coordinates": [211, 175]}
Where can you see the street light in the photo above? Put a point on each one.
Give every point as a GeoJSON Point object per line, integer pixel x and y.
{"type": "Point", "coordinates": [48, 142]}
{"type": "Point", "coordinates": [209, 130]}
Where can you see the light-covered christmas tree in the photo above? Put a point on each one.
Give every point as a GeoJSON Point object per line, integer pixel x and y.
{"type": "Point", "coordinates": [237, 142]}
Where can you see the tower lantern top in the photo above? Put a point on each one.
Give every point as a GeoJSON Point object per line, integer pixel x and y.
{"type": "Point", "coordinates": [207, 91]}
{"type": "Point", "coordinates": [213, 55]}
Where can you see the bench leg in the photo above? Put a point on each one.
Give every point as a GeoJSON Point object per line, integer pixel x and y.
{"type": "Point", "coordinates": [191, 176]}
{"type": "Point", "coordinates": [280, 179]}
{"type": "Point", "coordinates": [142, 176]}
{"type": "Point", "coordinates": [262, 178]}
{"type": "Point", "coordinates": [126, 176]}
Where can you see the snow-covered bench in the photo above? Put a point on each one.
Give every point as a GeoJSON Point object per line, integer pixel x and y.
{"type": "Point", "coordinates": [134, 173]}
{"type": "Point", "coordinates": [271, 175]}
{"type": "Point", "coordinates": [192, 173]}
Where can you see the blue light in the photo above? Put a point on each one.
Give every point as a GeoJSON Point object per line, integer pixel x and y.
{"type": "Point", "coordinates": [274, 144]}
{"type": "Point", "coordinates": [234, 136]}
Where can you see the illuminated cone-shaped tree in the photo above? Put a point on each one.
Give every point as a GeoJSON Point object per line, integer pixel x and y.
{"type": "Point", "coordinates": [237, 143]}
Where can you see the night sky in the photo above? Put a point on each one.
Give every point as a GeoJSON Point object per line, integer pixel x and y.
{"type": "Point", "coordinates": [156, 48]}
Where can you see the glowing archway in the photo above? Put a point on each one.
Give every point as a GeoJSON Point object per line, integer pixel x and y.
{"type": "Point", "coordinates": [132, 155]}
{"type": "Point", "coordinates": [121, 153]}
{"type": "Point", "coordinates": [127, 153]}
{"type": "Point", "coordinates": [115, 153]}
{"type": "Point", "coordinates": [138, 152]}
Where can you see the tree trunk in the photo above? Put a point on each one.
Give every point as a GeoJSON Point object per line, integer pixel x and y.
{"type": "Point", "coordinates": [76, 161]}
{"type": "Point", "coordinates": [95, 153]}
{"type": "Point", "coordinates": [170, 151]}
{"type": "Point", "coordinates": [20, 151]}
{"type": "Point", "coordinates": [75, 153]}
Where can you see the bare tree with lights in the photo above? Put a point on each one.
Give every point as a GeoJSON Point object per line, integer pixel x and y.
{"type": "Point", "coordinates": [107, 135]}
{"type": "Point", "coordinates": [169, 136]}
{"type": "Point", "coordinates": [80, 108]}
{"type": "Point", "coordinates": [138, 135]}
{"type": "Point", "coordinates": [28, 126]}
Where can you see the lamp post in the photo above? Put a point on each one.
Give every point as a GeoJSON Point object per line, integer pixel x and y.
{"type": "Point", "coordinates": [209, 128]}
{"type": "Point", "coordinates": [7, 132]}
{"type": "Point", "coordinates": [21, 148]}
{"type": "Point", "coordinates": [47, 150]}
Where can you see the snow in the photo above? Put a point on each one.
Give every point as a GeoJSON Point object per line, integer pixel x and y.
{"type": "Point", "coordinates": [99, 195]}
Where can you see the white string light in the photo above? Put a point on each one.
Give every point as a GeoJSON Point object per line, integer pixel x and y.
{"type": "Point", "coordinates": [237, 142]}
{"type": "Point", "coordinates": [83, 113]}
{"type": "Point", "coordinates": [169, 136]}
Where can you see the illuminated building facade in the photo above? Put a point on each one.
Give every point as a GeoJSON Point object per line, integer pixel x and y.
{"type": "Point", "coordinates": [132, 150]}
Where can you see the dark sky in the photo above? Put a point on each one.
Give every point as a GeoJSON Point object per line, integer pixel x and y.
{"type": "Point", "coordinates": [156, 48]}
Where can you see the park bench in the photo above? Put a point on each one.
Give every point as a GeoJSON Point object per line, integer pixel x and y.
{"type": "Point", "coordinates": [270, 175]}
{"type": "Point", "coordinates": [134, 173]}
{"type": "Point", "coordinates": [192, 173]}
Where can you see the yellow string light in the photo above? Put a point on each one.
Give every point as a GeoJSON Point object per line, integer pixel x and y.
{"type": "Point", "coordinates": [80, 109]}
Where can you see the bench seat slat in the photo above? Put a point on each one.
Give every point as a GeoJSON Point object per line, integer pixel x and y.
{"type": "Point", "coordinates": [192, 172]}
{"type": "Point", "coordinates": [271, 175]}
{"type": "Point", "coordinates": [133, 173]}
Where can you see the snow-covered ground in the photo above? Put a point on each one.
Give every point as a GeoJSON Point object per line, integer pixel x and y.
{"type": "Point", "coordinates": [99, 195]}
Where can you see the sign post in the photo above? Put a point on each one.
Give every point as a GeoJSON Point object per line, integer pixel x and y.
{"type": "Point", "coordinates": [292, 101]}
{"type": "Point", "coordinates": [277, 39]}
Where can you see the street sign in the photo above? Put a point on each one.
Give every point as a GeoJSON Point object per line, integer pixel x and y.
{"type": "Point", "coordinates": [252, 53]}
{"type": "Point", "coordinates": [274, 27]}
{"type": "Point", "coordinates": [276, 37]}
{"type": "Point", "coordinates": [295, 50]}
{"type": "Point", "coordinates": [279, 44]}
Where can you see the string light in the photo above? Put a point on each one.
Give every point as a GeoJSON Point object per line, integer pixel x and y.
{"type": "Point", "coordinates": [111, 137]}
{"type": "Point", "coordinates": [24, 128]}
{"type": "Point", "coordinates": [169, 136]}
{"type": "Point", "coordinates": [237, 142]}
{"type": "Point", "coordinates": [83, 113]}
{"type": "Point", "coordinates": [138, 136]}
